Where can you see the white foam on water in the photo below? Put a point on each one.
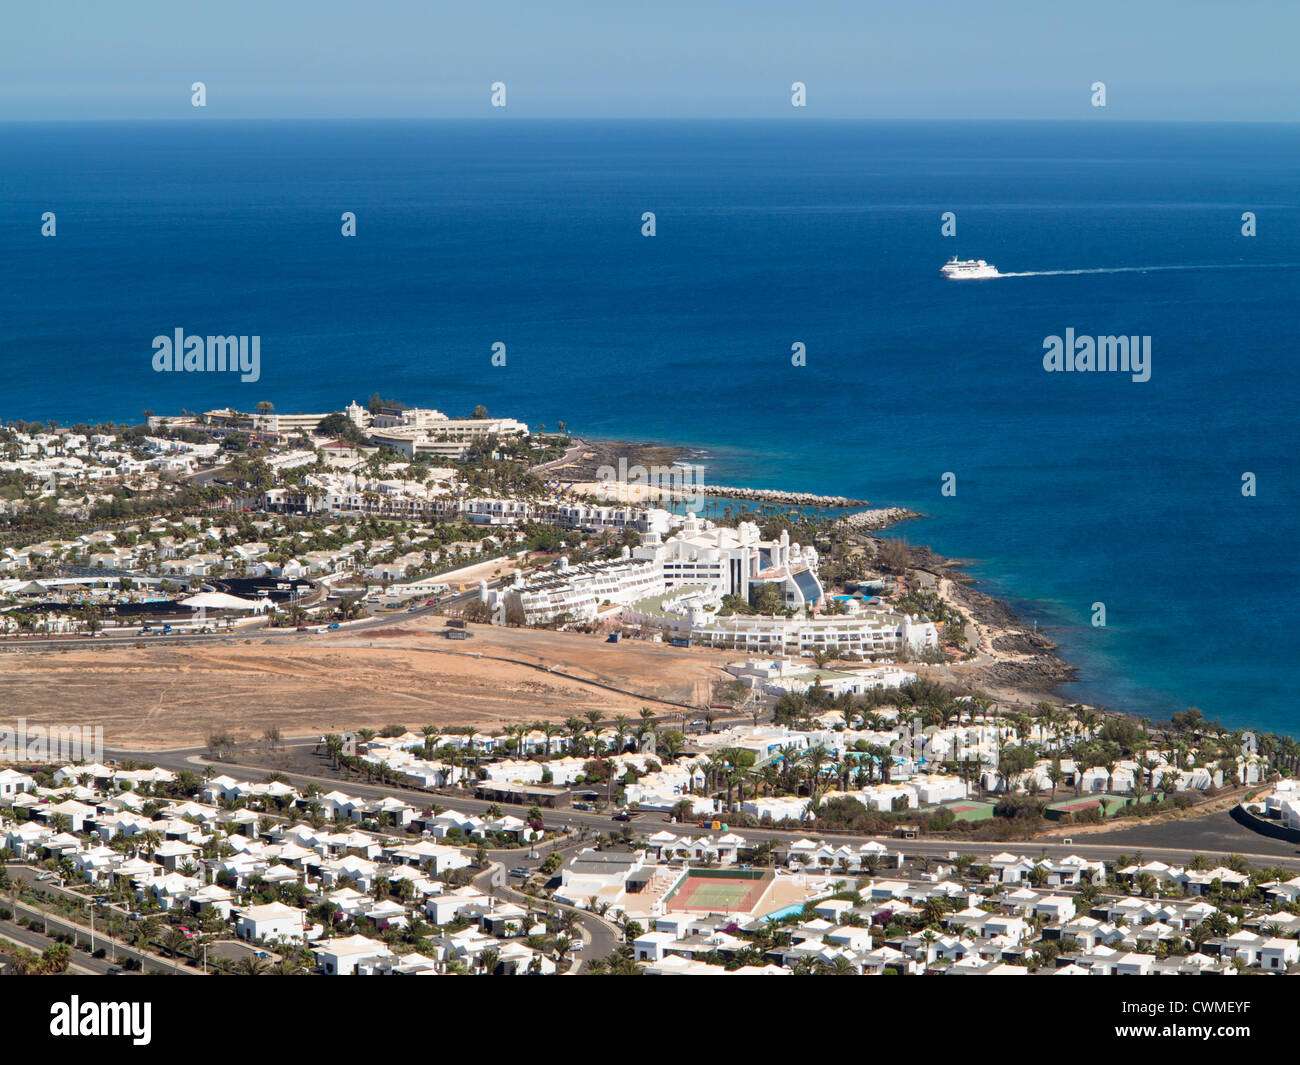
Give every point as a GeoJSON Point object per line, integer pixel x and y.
{"type": "Point", "coordinates": [1150, 269]}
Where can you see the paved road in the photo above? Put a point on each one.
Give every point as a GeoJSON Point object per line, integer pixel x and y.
{"type": "Point", "coordinates": [1175, 842]}
{"type": "Point", "coordinates": [77, 963]}
{"type": "Point", "coordinates": [112, 638]}
{"type": "Point", "coordinates": [599, 935]}
{"type": "Point", "coordinates": [258, 629]}
{"type": "Point", "coordinates": [571, 454]}
{"type": "Point", "coordinates": [83, 931]}
{"type": "Point", "coordinates": [1214, 833]}
{"type": "Point", "coordinates": [81, 958]}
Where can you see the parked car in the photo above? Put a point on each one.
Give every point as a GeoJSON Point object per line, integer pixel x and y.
{"type": "Point", "coordinates": [521, 872]}
{"type": "Point", "coordinates": [582, 806]}
{"type": "Point", "coordinates": [334, 625]}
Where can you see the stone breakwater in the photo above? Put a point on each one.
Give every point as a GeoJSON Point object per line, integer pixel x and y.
{"type": "Point", "coordinates": [865, 520]}
{"type": "Point", "coordinates": [772, 495]}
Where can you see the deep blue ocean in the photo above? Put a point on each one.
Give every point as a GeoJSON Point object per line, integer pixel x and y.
{"type": "Point", "coordinates": [1072, 489]}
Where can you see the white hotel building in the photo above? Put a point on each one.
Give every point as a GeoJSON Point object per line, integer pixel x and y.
{"type": "Point", "coordinates": [699, 565]}
{"type": "Point", "coordinates": [577, 592]}
{"type": "Point", "coordinates": [869, 634]}
{"type": "Point", "coordinates": [776, 676]}
{"type": "Point", "coordinates": [419, 431]}
{"type": "Point", "coordinates": [734, 561]}
{"type": "Point", "coordinates": [601, 518]}
{"type": "Point", "coordinates": [713, 561]}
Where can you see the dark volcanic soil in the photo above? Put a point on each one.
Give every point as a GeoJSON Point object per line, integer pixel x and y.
{"type": "Point", "coordinates": [597, 453]}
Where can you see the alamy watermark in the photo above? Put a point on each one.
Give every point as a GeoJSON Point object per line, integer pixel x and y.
{"type": "Point", "coordinates": [53, 743]}
{"type": "Point", "coordinates": [1102, 354]}
{"type": "Point", "coordinates": [214, 354]}
{"type": "Point", "coordinates": [78, 1019]}
{"type": "Point", "coordinates": [681, 481]}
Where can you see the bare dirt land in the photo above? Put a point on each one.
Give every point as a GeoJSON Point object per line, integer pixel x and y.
{"type": "Point", "coordinates": [152, 698]}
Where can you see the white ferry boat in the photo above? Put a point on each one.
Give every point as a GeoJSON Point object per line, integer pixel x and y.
{"type": "Point", "coordinates": [968, 269]}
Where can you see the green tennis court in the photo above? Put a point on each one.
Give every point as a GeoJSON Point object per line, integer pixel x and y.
{"type": "Point", "coordinates": [718, 894]}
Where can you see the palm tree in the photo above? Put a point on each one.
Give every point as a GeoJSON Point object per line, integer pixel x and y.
{"type": "Point", "coordinates": [173, 942]}
{"type": "Point", "coordinates": [932, 911]}
{"type": "Point", "coordinates": [791, 757]}
{"type": "Point", "coordinates": [251, 965]}
{"type": "Point", "coordinates": [520, 733]}
{"type": "Point", "coordinates": [815, 758]}
{"type": "Point", "coordinates": [431, 737]}
{"type": "Point", "coordinates": [1055, 774]}
{"type": "Point", "coordinates": [470, 733]}
{"type": "Point", "coordinates": [1110, 765]}
{"type": "Point", "coordinates": [712, 767]}
{"type": "Point", "coordinates": [550, 730]}
{"type": "Point", "coordinates": [563, 944]}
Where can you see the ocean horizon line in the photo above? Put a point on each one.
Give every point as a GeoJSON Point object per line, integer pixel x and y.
{"type": "Point", "coordinates": [668, 120]}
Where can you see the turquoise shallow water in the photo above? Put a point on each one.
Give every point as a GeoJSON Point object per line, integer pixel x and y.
{"type": "Point", "coordinates": [1072, 489]}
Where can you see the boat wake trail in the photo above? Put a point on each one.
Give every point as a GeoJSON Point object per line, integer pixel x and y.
{"type": "Point", "coordinates": [1150, 269]}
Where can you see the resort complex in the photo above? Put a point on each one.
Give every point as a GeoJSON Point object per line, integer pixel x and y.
{"type": "Point", "coordinates": [843, 762]}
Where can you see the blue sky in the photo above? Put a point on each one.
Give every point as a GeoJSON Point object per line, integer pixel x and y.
{"type": "Point", "coordinates": [1192, 60]}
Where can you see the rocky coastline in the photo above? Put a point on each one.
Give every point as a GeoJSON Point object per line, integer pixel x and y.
{"type": "Point", "coordinates": [1011, 657]}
